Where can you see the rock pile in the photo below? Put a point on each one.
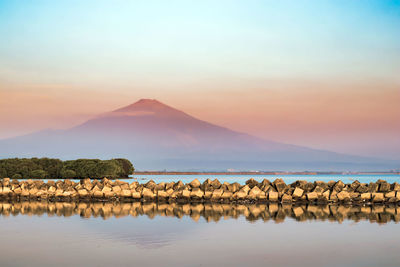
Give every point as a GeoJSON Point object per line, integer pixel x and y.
{"type": "Point", "coordinates": [209, 211]}
{"type": "Point", "coordinates": [196, 192]}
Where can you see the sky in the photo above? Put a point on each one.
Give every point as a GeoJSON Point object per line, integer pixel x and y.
{"type": "Point", "coordinates": [318, 73]}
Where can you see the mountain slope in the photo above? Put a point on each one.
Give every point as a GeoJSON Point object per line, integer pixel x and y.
{"type": "Point", "coordinates": [156, 136]}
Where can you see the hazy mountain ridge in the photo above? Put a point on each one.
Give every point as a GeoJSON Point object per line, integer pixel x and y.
{"type": "Point", "coordinates": [156, 136]}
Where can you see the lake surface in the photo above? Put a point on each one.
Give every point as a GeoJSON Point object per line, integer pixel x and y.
{"type": "Point", "coordinates": [135, 234]}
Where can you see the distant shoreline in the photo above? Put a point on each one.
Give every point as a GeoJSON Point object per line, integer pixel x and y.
{"type": "Point", "coordinates": [260, 173]}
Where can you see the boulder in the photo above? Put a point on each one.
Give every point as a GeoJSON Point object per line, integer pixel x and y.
{"type": "Point", "coordinates": [150, 185]}
{"type": "Point", "coordinates": [343, 196]}
{"type": "Point", "coordinates": [245, 188]}
{"type": "Point", "coordinates": [254, 192]}
{"type": "Point", "coordinates": [362, 188]}
{"type": "Point", "coordinates": [233, 187]}
{"type": "Point", "coordinates": [266, 188]}
{"type": "Point", "coordinates": [58, 193]}
{"type": "Point", "coordinates": [169, 185]}
{"type": "Point", "coordinates": [354, 185]}
{"type": "Point", "coordinates": [96, 194]}
{"type": "Point", "coordinates": [43, 194]}
{"type": "Point", "coordinates": [178, 186]}
{"type": "Point", "coordinates": [396, 187]}
{"type": "Point", "coordinates": [226, 195]}
{"type": "Point", "coordinates": [17, 190]}
{"type": "Point", "coordinates": [354, 195]}
{"type": "Point", "coordinates": [384, 187]}
{"type": "Point", "coordinates": [333, 196]}
{"type": "Point", "coordinates": [109, 194]}
{"type": "Point", "coordinates": [373, 187]}
{"type": "Point", "coordinates": [160, 186]}
{"type": "Point", "coordinates": [196, 194]}
{"type": "Point", "coordinates": [280, 186]}
{"type": "Point", "coordinates": [251, 183]}
{"type": "Point", "coordinates": [298, 192]}
{"type": "Point", "coordinates": [32, 192]}
{"type": "Point", "coordinates": [264, 183]}
{"type": "Point", "coordinates": [25, 193]}
{"type": "Point", "coordinates": [225, 186]}
{"type": "Point", "coordinates": [106, 189]}
{"type": "Point", "coordinates": [147, 194]}
{"type": "Point", "coordinates": [117, 189]}
{"type": "Point", "coordinates": [162, 195]}
{"type": "Point", "coordinates": [262, 196]}
{"type": "Point", "coordinates": [390, 194]}
{"type": "Point", "coordinates": [88, 186]}
{"type": "Point", "coordinates": [216, 184]}
{"type": "Point", "coordinates": [286, 198]}
{"type": "Point", "coordinates": [51, 189]}
{"type": "Point", "coordinates": [365, 196]}
{"type": "Point", "coordinates": [169, 191]}
{"type": "Point", "coordinates": [83, 193]}
{"type": "Point", "coordinates": [273, 196]}
{"type": "Point", "coordinates": [338, 186]}
{"type": "Point", "coordinates": [240, 195]}
{"type": "Point", "coordinates": [195, 183]}
{"type": "Point", "coordinates": [136, 195]}
{"type": "Point", "coordinates": [300, 183]}
{"type": "Point", "coordinates": [185, 193]}
{"type": "Point", "coordinates": [378, 197]}
{"type": "Point", "coordinates": [217, 193]}
{"type": "Point", "coordinates": [126, 193]}
{"type": "Point", "coordinates": [208, 194]}
{"type": "Point", "coordinates": [326, 194]}
{"type": "Point", "coordinates": [6, 189]}
{"type": "Point", "coordinates": [312, 196]}
{"type": "Point", "coordinates": [322, 185]}
{"type": "Point", "coordinates": [319, 190]}
{"type": "Point", "coordinates": [78, 187]}
{"type": "Point", "coordinates": [308, 187]}
{"type": "Point", "coordinates": [207, 182]}
{"type": "Point", "coordinates": [68, 194]}
{"type": "Point", "coordinates": [126, 186]}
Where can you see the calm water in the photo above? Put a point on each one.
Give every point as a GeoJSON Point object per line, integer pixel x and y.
{"type": "Point", "coordinates": [135, 234]}
{"type": "Point", "coordinates": [132, 234]}
{"type": "Point", "coordinates": [391, 178]}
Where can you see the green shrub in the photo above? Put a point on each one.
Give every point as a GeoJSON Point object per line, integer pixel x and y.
{"type": "Point", "coordinates": [127, 167]}
{"type": "Point", "coordinates": [54, 168]}
{"type": "Point", "coordinates": [68, 174]}
{"type": "Point", "coordinates": [16, 176]}
{"type": "Point", "coordinates": [38, 174]}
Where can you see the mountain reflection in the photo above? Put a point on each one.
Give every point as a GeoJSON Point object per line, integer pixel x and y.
{"type": "Point", "coordinates": [210, 212]}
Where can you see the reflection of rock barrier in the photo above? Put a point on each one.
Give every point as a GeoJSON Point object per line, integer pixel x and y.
{"type": "Point", "coordinates": [209, 191]}
{"type": "Point", "coordinates": [209, 211]}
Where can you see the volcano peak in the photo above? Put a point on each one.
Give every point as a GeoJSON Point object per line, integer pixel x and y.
{"type": "Point", "coordinates": [148, 105]}
{"type": "Point", "coordinates": [147, 101]}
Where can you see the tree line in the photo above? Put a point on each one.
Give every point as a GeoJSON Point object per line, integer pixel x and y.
{"type": "Point", "coordinates": [49, 168]}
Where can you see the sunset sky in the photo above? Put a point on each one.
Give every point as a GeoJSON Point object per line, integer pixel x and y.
{"type": "Point", "coordinates": [323, 74]}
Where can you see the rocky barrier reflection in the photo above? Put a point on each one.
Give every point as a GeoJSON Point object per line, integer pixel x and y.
{"type": "Point", "coordinates": [211, 212]}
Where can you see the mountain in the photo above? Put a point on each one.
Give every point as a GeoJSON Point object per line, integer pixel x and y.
{"type": "Point", "coordinates": [155, 136]}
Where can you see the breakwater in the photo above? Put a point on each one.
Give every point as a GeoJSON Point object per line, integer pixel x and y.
{"type": "Point", "coordinates": [211, 212]}
{"type": "Point", "coordinates": [209, 191]}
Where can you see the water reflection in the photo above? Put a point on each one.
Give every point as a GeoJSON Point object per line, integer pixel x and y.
{"type": "Point", "coordinates": [210, 212]}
